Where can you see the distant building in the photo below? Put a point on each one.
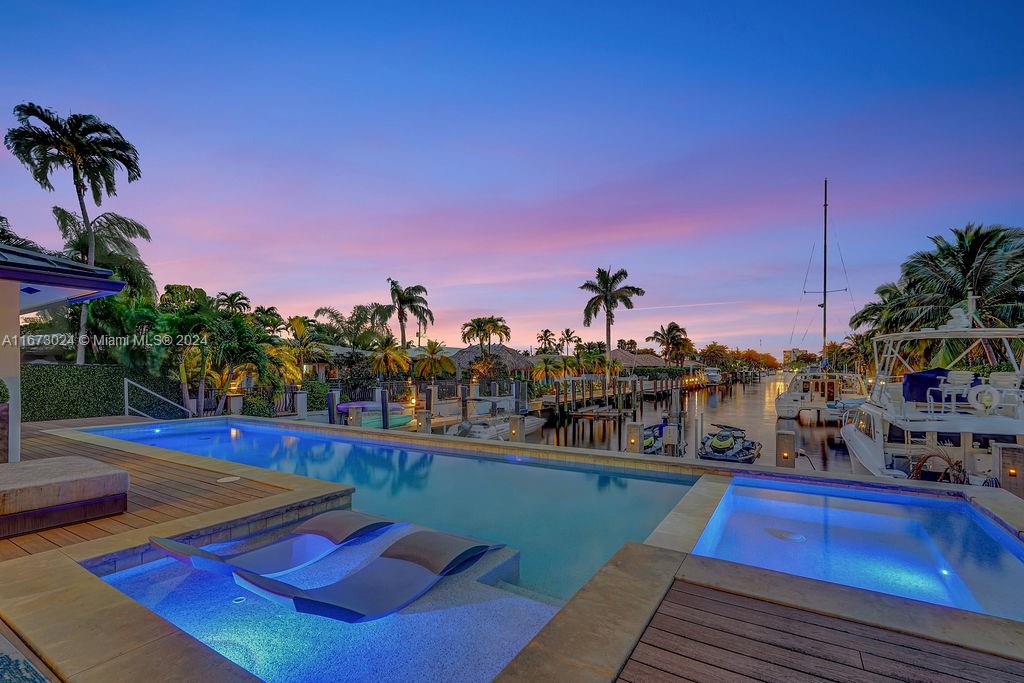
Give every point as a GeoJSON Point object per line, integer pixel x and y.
{"type": "Point", "coordinates": [790, 355]}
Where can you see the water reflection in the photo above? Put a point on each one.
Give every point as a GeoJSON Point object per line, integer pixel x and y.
{"type": "Point", "coordinates": [750, 406]}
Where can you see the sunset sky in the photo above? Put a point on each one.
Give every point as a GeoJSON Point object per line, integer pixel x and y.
{"type": "Point", "coordinates": [498, 152]}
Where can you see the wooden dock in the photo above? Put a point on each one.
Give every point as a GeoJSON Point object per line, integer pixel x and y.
{"type": "Point", "coordinates": [703, 634]}
{"type": "Point", "coordinates": [160, 490]}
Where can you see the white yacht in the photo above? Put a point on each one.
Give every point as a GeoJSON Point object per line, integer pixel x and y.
{"type": "Point", "coordinates": [830, 394]}
{"type": "Point", "coordinates": [714, 376]}
{"type": "Point", "coordinates": [939, 424]}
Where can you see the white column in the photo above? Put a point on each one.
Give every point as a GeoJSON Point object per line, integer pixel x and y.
{"type": "Point", "coordinates": [300, 405]}
{"type": "Point", "coordinates": [10, 363]}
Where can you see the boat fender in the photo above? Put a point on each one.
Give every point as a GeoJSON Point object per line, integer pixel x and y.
{"type": "Point", "coordinates": [984, 398]}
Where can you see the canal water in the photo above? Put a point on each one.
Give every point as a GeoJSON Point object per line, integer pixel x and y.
{"type": "Point", "coordinates": [748, 406]}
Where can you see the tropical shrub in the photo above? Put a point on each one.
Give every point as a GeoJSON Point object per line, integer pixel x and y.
{"type": "Point", "coordinates": [257, 405]}
{"type": "Point", "coordinates": [316, 394]}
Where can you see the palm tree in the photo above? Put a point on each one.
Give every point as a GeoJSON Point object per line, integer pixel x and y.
{"type": "Point", "coordinates": [546, 368]}
{"type": "Point", "coordinates": [235, 302]}
{"type": "Point", "coordinates": [238, 346]}
{"type": "Point", "coordinates": [269, 318]}
{"type": "Point", "coordinates": [568, 338]}
{"type": "Point", "coordinates": [860, 350]}
{"type": "Point", "coordinates": [8, 236]}
{"type": "Point", "coordinates": [986, 263]}
{"type": "Point", "coordinates": [547, 341]}
{"type": "Point", "coordinates": [498, 329]}
{"type": "Point", "coordinates": [475, 328]}
{"type": "Point", "coordinates": [90, 148]}
{"type": "Point", "coordinates": [388, 357]}
{"type": "Point", "coordinates": [408, 300]}
{"type": "Point", "coordinates": [113, 247]}
{"type": "Point", "coordinates": [669, 337]}
{"type": "Point", "coordinates": [306, 348]}
{"type": "Point", "coordinates": [610, 291]}
{"type": "Point", "coordinates": [434, 361]}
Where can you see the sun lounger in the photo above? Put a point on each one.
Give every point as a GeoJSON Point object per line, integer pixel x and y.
{"type": "Point", "coordinates": [310, 541]}
{"type": "Point", "coordinates": [409, 567]}
{"type": "Point", "coordinates": [39, 494]}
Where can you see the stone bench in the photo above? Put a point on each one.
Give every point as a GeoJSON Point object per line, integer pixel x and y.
{"type": "Point", "coordinates": [39, 494]}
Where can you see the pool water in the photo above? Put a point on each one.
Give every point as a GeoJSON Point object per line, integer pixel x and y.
{"type": "Point", "coordinates": [932, 549]}
{"type": "Point", "coordinates": [565, 521]}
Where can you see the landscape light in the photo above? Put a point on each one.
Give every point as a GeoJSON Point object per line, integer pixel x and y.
{"type": "Point", "coordinates": [1012, 472]}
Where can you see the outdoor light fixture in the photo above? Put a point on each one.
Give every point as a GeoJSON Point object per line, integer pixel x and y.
{"type": "Point", "coordinates": [632, 441]}
{"type": "Point", "coordinates": [1012, 472]}
{"type": "Point", "coordinates": [785, 455]}
{"type": "Point", "coordinates": [513, 432]}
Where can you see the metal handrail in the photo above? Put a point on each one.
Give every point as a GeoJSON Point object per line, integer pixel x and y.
{"type": "Point", "coordinates": [128, 408]}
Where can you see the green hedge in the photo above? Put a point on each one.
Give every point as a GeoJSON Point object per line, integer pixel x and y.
{"type": "Point", "coordinates": [257, 405]}
{"type": "Point", "coordinates": [651, 372]}
{"type": "Point", "coordinates": [62, 391]}
{"type": "Point", "coordinates": [316, 394]}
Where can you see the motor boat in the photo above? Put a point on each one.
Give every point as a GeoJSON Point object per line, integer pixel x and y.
{"type": "Point", "coordinates": [729, 444]}
{"type": "Point", "coordinates": [941, 423]}
{"type": "Point", "coordinates": [713, 375]}
{"type": "Point", "coordinates": [493, 428]}
{"type": "Point", "coordinates": [829, 394]}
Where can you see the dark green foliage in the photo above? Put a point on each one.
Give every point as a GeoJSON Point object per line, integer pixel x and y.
{"type": "Point", "coordinates": [257, 405]}
{"type": "Point", "coordinates": [658, 373]}
{"type": "Point", "coordinates": [4, 396]}
{"type": "Point", "coordinates": [61, 391]}
{"type": "Point", "coordinates": [316, 394]}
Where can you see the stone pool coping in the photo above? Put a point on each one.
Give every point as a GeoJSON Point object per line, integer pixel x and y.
{"type": "Point", "coordinates": [85, 630]}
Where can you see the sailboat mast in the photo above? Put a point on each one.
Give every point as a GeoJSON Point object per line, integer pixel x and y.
{"type": "Point", "coordinates": [824, 289]}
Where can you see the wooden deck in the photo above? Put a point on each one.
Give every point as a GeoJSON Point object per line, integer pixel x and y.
{"type": "Point", "coordinates": [160, 491]}
{"type": "Point", "coordinates": [703, 634]}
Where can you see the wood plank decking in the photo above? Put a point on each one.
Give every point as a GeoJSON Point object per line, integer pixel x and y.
{"type": "Point", "coordinates": [703, 634]}
{"type": "Point", "coordinates": [160, 490]}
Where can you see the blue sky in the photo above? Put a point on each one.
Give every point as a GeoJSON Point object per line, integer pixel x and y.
{"type": "Point", "coordinates": [498, 153]}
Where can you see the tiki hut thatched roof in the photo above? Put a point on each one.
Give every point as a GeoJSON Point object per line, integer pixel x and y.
{"type": "Point", "coordinates": [637, 360]}
{"type": "Point", "coordinates": [512, 359]}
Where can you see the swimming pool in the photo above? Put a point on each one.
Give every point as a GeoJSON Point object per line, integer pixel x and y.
{"type": "Point", "coordinates": [937, 550]}
{"type": "Point", "coordinates": [567, 521]}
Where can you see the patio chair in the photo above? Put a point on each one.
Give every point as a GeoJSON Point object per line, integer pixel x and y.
{"type": "Point", "coordinates": [402, 574]}
{"type": "Point", "coordinates": [310, 541]}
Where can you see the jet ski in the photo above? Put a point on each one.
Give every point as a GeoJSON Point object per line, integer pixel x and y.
{"type": "Point", "coordinates": [729, 444]}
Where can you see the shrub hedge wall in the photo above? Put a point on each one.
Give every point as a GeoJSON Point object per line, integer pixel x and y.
{"type": "Point", "coordinates": [316, 394]}
{"type": "Point", "coordinates": [62, 391]}
{"type": "Point", "coordinates": [257, 405]}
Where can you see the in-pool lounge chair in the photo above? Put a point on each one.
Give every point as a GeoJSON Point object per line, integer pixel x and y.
{"type": "Point", "coordinates": [409, 567]}
{"type": "Point", "coordinates": [310, 541]}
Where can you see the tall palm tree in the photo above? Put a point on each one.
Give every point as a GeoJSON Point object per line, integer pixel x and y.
{"type": "Point", "coordinates": [568, 338]}
{"type": "Point", "coordinates": [113, 245]}
{"type": "Point", "coordinates": [434, 361]}
{"type": "Point", "coordinates": [235, 302]}
{"type": "Point", "coordinates": [90, 148]}
{"type": "Point", "coordinates": [8, 236]}
{"type": "Point", "coordinates": [389, 358]}
{"type": "Point", "coordinates": [546, 339]}
{"type": "Point", "coordinates": [860, 350]}
{"type": "Point", "coordinates": [609, 292]}
{"type": "Point", "coordinates": [408, 300]}
{"type": "Point", "coordinates": [714, 354]}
